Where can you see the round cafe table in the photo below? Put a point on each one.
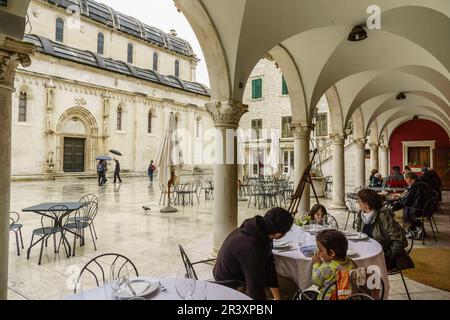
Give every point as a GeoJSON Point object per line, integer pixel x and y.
{"type": "Point", "coordinates": [291, 263]}
{"type": "Point", "coordinates": [213, 292]}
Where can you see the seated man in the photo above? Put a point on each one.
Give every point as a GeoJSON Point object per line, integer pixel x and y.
{"type": "Point", "coordinates": [419, 193]}
{"type": "Point", "coordinates": [246, 254]}
{"type": "Point", "coordinates": [395, 180]}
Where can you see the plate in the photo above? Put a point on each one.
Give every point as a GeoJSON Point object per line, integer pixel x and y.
{"type": "Point", "coordinates": [351, 253]}
{"type": "Point", "coordinates": [357, 236]}
{"type": "Point", "coordinates": [139, 288]}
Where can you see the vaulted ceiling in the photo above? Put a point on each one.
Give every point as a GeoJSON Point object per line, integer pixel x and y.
{"type": "Point", "coordinates": [308, 38]}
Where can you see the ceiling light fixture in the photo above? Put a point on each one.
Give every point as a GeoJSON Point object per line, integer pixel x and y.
{"type": "Point", "coordinates": [358, 34]}
{"type": "Point", "coordinates": [401, 96]}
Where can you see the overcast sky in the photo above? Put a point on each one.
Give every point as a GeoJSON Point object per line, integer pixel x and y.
{"type": "Point", "coordinates": [162, 14]}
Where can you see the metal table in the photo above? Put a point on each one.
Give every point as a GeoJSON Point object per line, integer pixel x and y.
{"type": "Point", "coordinates": [45, 207]}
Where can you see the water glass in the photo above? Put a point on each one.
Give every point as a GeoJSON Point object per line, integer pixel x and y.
{"type": "Point", "coordinates": [185, 284]}
{"type": "Point", "coordinates": [119, 279]}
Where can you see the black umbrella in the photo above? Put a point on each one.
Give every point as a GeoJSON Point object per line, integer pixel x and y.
{"type": "Point", "coordinates": [115, 152]}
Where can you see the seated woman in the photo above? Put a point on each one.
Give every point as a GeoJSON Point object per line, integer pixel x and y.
{"type": "Point", "coordinates": [375, 180]}
{"type": "Point", "coordinates": [331, 257]}
{"type": "Point", "coordinates": [379, 224]}
{"type": "Point", "coordinates": [316, 215]}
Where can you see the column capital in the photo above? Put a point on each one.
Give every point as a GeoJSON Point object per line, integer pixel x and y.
{"type": "Point", "coordinates": [374, 145]}
{"type": "Point", "coordinates": [384, 148]}
{"type": "Point", "coordinates": [226, 113]}
{"type": "Point", "coordinates": [12, 53]}
{"type": "Point", "coordinates": [360, 143]}
{"type": "Point", "coordinates": [300, 130]}
{"type": "Point", "coordinates": [337, 138]}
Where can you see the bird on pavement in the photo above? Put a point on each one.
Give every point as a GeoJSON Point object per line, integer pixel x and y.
{"type": "Point", "coordinates": [146, 209]}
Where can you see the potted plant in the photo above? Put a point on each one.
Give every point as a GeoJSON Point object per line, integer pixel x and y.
{"type": "Point", "coordinates": [318, 181]}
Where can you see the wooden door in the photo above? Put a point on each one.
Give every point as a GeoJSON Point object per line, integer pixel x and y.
{"type": "Point", "coordinates": [419, 155]}
{"type": "Point", "coordinates": [442, 166]}
{"type": "Point", "coordinates": [74, 155]}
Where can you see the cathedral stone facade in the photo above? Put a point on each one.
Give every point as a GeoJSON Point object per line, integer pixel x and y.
{"type": "Point", "coordinates": [100, 80]}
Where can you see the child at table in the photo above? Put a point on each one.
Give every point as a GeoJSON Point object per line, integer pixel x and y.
{"type": "Point", "coordinates": [316, 215]}
{"type": "Point", "coordinates": [330, 258]}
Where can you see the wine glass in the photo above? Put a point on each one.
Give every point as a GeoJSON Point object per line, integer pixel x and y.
{"type": "Point", "coordinates": [185, 283]}
{"type": "Point", "coordinates": [119, 279]}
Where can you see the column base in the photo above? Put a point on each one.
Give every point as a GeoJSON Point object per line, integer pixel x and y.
{"type": "Point", "coordinates": [168, 209]}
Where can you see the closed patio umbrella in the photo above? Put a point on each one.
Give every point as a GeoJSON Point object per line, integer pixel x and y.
{"type": "Point", "coordinates": [274, 157]}
{"type": "Point", "coordinates": [167, 159]}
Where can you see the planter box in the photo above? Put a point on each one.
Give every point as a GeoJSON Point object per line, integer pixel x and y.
{"type": "Point", "coordinates": [319, 185]}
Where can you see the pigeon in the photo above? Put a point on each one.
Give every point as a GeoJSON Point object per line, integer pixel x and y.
{"type": "Point", "coordinates": [146, 209]}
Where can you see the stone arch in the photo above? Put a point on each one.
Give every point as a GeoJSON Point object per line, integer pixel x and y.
{"type": "Point", "coordinates": [334, 105]}
{"type": "Point", "coordinates": [211, 43]}
{"type": "Point", "coordinates": [90, 136]}
{"type": "Point", "coordinates": [358, 125]}
{"type": "Point", "coordinates": [394, 124]}
{"type": "Point", "coordinates": [294, 82]}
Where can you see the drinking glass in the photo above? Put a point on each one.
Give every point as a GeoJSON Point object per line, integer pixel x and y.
{"type": "Point", "coordinates": [119, 279]}
{"type": "Point", "coordinates": [185, 284]}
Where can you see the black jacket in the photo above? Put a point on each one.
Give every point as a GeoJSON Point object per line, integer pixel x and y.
{"type": "Point", "coordinates": [416, 197]}
{"type": "Point", "coordinates": [246, 255]}
{"type": "Point", "coordinates": [117, 168]}
{"type": "Point", "coordinates": [432, 182]}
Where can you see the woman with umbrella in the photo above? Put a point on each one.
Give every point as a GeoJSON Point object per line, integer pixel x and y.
{"type": "Point", "coordinates": [100, 172]}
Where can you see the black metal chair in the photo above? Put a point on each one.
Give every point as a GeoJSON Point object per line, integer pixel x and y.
{"type": "Point", "coordinates": [16, 227]}
{"type": "Point", "coordinates": [96, 268]}
{"type": "Point", "coordinates": [395, 272]}
{"type": "Point", "coordinates": [359, 297]}
{"type": "Point", "coordinates": [313, 294]}
{"type": "Point", "coordinates": [331, 221]}
{"type": "Point", "coordinates": [426, 213]}
{"type": "Point", "coordinates": [189, 266]}
{"type": "Point", "coordinates": [350, 203]}
{"type": "Point", "coordinates": [86, 198]}
{"type": "Point", "coordinates": [84, 218]}
{"type": "Point", "coordinates": [51, 222]}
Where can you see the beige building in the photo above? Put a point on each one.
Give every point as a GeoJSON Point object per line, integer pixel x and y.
{"type": "Point", "coordinates": [270, 111]}
{"type": "Point", "coordinates": [100, 80]}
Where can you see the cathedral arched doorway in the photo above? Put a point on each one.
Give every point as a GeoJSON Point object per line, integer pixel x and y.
{"type": "Point", "coordinates": [77, 141]}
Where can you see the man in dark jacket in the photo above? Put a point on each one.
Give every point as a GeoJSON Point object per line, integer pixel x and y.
{"type": "Point", "coordinates": [414, 202]}
{"type": "Point", "coordinates": [246, 254]}
{"type": "Point", "coordinates": [430, 179]}
{"type": "Point", "coordinates": [117, 171]}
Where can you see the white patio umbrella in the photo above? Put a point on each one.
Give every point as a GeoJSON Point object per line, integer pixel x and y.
{"type": "Point", "coordinates": [167, 159]}
{"type": "Point", "coordinates": [240, 160]}
{"type": "Point", "coordinates": [274, 157]}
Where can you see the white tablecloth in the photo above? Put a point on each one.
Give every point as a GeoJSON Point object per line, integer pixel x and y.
{"type": "Point", "coordinates": [213, 292]}
{"type": "Point", "coordinates": [295, 266]}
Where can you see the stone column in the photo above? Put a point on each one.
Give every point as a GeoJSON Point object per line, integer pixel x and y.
{"type": "Point", "coordinates": [301, 161]}
{"type": "Point", "coordinates": [374, 162]}
{"type": "Point", "coordinates": [384, 163]}
{"type": "Point", "coordinates": [226, 116]}
{"type": "Point", "coordinates": [49, 129]}
{"type": "Point", "coordinates": [12, 53]}
{"type": "Point", "coordinates": [338, 172]}
{"type": "Point", "coordinates": [360, 162]}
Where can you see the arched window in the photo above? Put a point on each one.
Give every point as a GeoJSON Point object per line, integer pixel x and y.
{"type": "Point", "coordinates": [100, 43]}
{"type": "Point", "coordinates": [155, 62]}
{"type": "Point", "coordinates": [130, 53]}
{"type": "Point", "coordinates": [149, 122]}
{"type": "Point", "coordinates": [59, 36]}
{"type": "Point", "coordinates": [119, 119]}
{"type": "Point", "coordinates": [177, 68]}
{"type": "Point", "coordinates": [23, 107]}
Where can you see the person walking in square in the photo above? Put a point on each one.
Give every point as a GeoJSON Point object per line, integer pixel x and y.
{"type": "Point", "coordinates": [117, 171]}
{"type": "Point", "coordinates": [151, 170]}
{"type": "Point", "coordinates": [100, 169]}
